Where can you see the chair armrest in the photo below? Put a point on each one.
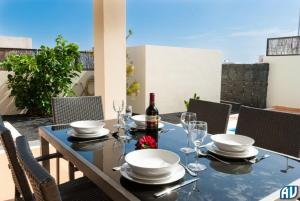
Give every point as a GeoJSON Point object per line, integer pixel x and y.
{"type": "Point", "coordinates": [12, 129]}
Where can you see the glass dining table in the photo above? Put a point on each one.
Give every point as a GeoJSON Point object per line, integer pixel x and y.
{"type": "Point", "coordinates": [238, 180]}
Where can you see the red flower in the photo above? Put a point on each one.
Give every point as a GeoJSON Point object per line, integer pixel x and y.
{"type": "Point", "coordinates": [147, 142]}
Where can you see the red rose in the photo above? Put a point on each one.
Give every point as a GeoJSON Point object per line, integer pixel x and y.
{"type": "Point", "coordinates": [147, 142]}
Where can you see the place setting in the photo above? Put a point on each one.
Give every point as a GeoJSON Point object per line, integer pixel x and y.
{"type": "Point", "coordinates": [232, 146]}
{"type": "Point", "coordinates": [225, 149]}
{"type": "Point", "coordinates": [232, 154]}
{"type": "Point", "coordinates": [154, 167]}
{"type": "Point", "coordinates": [234, 150]}
{"type": "Point", "coordinates": [81, 132]}
{"type": "Point", "coordinates": [139, 122]}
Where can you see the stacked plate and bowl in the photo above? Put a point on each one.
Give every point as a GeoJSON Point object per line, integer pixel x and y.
{"type": "Point", "coordinates": [152, 167]}
{"type": "Point", "coordinates": [232, 146]}
{"type": "Point", "coordinates": [139, 122]}
{"type": "Point", "coordinates": [88, 129]}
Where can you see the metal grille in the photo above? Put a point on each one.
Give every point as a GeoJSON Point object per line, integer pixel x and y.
{"type": "Point", "coordinates": [284, 46]}
{"type": "Point", "coordinates": [86, 57]}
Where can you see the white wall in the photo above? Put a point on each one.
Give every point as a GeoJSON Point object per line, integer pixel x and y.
{"type": "Point", "coordinates": [15, 42]}
{"type": "Point", "coordinates": [7, 103]}
{"type": "Point", "coordinates": [284, 81]}
{"type": "Point", "coordinates": [175, 74]}
{"type": "Point", "coordinates": [137, 55]}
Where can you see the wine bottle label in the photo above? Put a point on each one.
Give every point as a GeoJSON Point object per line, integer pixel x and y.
{"type": "Point", "coordinates": [152, 121]}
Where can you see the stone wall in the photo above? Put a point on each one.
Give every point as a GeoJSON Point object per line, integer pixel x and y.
{"type": "Point", "coordinates": [245, 83]}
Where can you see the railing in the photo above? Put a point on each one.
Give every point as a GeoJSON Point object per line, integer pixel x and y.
{"type": "Point", "coordinates": [86, 57]}
{"type": "Point", "coordinates": [284, 46]}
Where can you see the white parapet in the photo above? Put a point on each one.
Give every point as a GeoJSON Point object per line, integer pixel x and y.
{"type": "Point", "coordinates": [174, 74]}
{"type": "Point", "coordinates": [15, 42]}
{"type": "Point", "coordinates": [283, 81]}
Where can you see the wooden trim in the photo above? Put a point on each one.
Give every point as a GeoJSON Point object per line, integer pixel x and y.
{"type": "Point", "coordinates": [114, 190]}
{"type": "Point", "coordinates": [286, 109]}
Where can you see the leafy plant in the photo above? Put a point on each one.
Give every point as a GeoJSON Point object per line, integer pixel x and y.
{"type": "Point", "coordinates": [187, 102]}
{"type": "Point", "coordinates": [35, 79]}
{"type": "Point", "coordinates": [132, 87]}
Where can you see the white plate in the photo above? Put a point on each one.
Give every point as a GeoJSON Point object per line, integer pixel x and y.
{"type": "Point", "coordinates": [133, 125]}
{"type": "Point", "coordinates": [250, 152]}
{"type": "Point", "coordinates": [152, 178]}
{"type": "Point", "coordinates": [178, 173]}
{"type": "Point", "coordinates": [100, 133]}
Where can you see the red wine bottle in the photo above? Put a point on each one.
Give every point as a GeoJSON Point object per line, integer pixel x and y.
{"type": "Point", "coordinates": [152, 118]}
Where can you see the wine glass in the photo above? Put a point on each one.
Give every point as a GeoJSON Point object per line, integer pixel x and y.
{"type": "Point", "coordinates": [198, 134]}
{"type": "Point", "coordinates": [118, 108]}
{"type": "Point", "coordinates": [125, 118]}
{"type": "Point", "coordinates": [119, 147]}
{"type": "Point", "coordinates": [128, 111]}
{"type": "Point", "coordinates": [186, 119]}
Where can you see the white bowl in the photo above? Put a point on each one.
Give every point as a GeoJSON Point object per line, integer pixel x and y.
{"type": "Point", "coordinates": [232, 143]}
{"type": "Point", "coordinates": [140, 120]}
{"type": "Point", "coordinates": [89, 126]}
{"type": "Point", "coordinates": [152, 162]}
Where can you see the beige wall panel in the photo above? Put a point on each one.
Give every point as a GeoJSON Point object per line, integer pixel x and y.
{"type": "Point", "coordinates": [283, 81]}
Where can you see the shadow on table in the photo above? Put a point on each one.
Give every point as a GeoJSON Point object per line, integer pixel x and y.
{"type": "Point", "coordinates": [146, 192]}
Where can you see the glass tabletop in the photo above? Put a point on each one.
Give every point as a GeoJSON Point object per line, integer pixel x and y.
{"type": "Point", "coordinates": [237, 181]}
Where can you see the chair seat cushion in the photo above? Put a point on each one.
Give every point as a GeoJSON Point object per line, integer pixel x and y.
{"type": "Point", "coordinates": [81, 189]}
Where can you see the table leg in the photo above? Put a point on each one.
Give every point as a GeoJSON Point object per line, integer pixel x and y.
{"type": "Point", "coordinates": [45, 151]}
{"type": "Point", "coordinates": [57, 170]}
{"type": "Point", "coordinates": [71, 171]}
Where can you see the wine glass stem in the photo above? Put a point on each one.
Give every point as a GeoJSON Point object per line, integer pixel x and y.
{"type": "Point", "coordinates": [188, 140]}
{"type": "Point", "coordinates": [118, 117]}
{"type": "Point", "coordinates": [197, 150]}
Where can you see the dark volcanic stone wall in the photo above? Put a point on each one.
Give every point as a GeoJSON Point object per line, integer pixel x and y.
{"type": "Point", "coordinates": [245, 83]}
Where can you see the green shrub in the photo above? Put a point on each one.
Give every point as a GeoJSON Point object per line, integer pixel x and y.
{"type": "Point", "coordinates": [37, 78]}
{"type": "Point", "coordinates": [187, 102]}
{"type": "Point", "coordinates": [132, 87]}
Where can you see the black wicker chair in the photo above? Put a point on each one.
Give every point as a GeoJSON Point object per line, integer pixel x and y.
{"type": "Point", "coordinates": [69, 109]}
{"type": "Point", "coordinates": [272, 130]}
{"type": "Point", "coordinates": [22, 190]}
{"type": "Point", "coordinates": [44, 186]}
{"type": "Point", "coordinates": [1, 121]}
{"type": "Point", "coordinates": [215, 114]}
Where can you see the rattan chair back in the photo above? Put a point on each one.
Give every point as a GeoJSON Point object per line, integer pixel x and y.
{"type": "Point", "coordinates": [22, 190]}
{"type": "Point", "coordinates": [277, 131]}
{"type": "Point", "coordinates": [215, 114]}
{"type": "Point", "coordinates": [69, 109]}
{"type": "Point", "coordinates": [42, 183]}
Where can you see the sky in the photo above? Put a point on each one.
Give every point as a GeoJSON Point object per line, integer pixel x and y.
{"type": "Point", "coordinates": [239, 28]}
